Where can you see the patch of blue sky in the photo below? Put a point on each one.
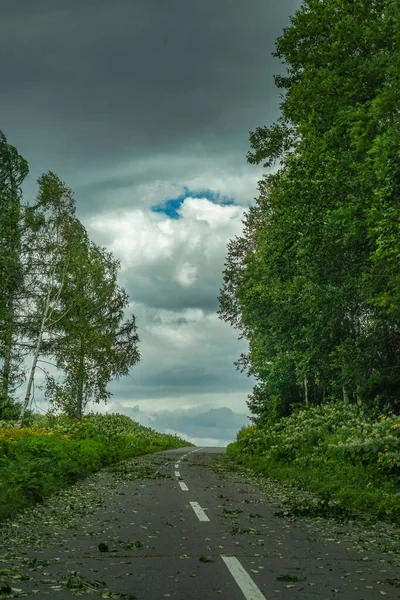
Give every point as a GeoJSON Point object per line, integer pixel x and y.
{"type": "Point", "coordinates": [170, 207]}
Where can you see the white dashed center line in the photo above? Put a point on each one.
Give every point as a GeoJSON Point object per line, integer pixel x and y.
{"type": "Point", "coordinates": [249, 589]}
{"type": "Point", "coordinates": [184, 487]}
{"type": "Point", "coordinates": [199, 511]}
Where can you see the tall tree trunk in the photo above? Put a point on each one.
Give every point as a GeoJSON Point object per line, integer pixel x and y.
{"type": "Point", "coordinates": [31, 377]}
{"type": "Point", "coordinates": [79, 396]}
{"type": "Point", "coordinates": [35, 357]}
{"type": "Point", "coordinates": [306, 391]}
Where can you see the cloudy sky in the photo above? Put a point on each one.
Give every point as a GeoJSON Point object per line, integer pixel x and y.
{"type": "Point", "coordinates": [143, 108]}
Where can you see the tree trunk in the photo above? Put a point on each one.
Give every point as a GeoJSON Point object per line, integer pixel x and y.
{"type": "Point", "coordinates": [79, 396]}
{"type": "Point", "coordinates": [345, 395]}
{"type": "Point", "coordinates": [358, 395]}
{"type": "Point", "coordinates": [35, 358]}
{"type": "Point", "coordinates": [79, 400]}
{"type": "Point", "coordinates": [306, 391]}
{"type": "Point", "coordinates": [31, 378]}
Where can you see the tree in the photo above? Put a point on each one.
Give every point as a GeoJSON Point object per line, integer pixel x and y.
{"type": "Point", "coordinates": [59, 297]}
{"type": "Point", "coordinates": [317, 293]}
{"type": "Point", "coordinates": [13, 170]}
{"type": "Point", "coordinates": [50, 226]}
{"type": "Point", "coordinates": [97, 344]}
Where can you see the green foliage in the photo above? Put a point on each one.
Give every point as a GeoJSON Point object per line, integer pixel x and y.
{"type": "Point", "coordinates": [96, 343]}
{"type": "Point", "coordinates": [11, 410]}
{"type": "Point", "coordinates": [348, 455]}
{"type": "Point", "coordinates": [56, 451]}
{"type": "Point", "coordinates": [48, 246]}
{"type": "Point", "coordinates": [301, 432]}
{"type": "Point", "coordinates": [373, 442]}
{"type": "Point", "coordinates": [13, 170]}
{"type": "Point", "coordinates": [105, 427]}
{"type": "Point", "coordinates": [313, 283]}
{"type": "Point", "coordinates": [59, 298]}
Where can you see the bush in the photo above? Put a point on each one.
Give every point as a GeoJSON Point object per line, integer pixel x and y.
{"type": "Point", "coordinates": [337, 448]}
{"type": "Point", "coordinates": [55, 451]}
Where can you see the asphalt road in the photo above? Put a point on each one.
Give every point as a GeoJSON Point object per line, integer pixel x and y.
{"type": "Point", "coordinates": [195, 535]}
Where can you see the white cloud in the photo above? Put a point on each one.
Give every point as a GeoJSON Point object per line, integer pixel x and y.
{"type": "Point", "coordinates": [172, 269]}
{"type": "Point", "coordinates": [216, 216]}
{"type": "Point", "coordinates": [186, 275]}
{"type": "Point", "coordinates": [201, 402]}
{"type": "Point", "coordinates": [141, 238]}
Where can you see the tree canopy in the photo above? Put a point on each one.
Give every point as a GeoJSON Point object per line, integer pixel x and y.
{"type": "Point", "coordinates": [13, 170]}
{"type": "Point", "coordinates": [313, 283]}
{"type": "Point", "coordinates": [60, 301]}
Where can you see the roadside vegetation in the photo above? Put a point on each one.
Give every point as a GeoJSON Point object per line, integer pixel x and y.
{"type": "Point", "coordinates": [54, 452]}
{"type": "Point", "coordinates": [313, 282]}
{"type": "Point", "coordinates": [64, 316]}
{"type": "Point", "coordinates": [349, 458]}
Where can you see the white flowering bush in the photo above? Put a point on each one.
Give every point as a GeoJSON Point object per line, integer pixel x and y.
{"type": "Point", "coordinates": [339, 451]}
{"type": "Point", "coordinates": [375, 441]}
{"type": "Point", "coordinates": [302, 432]}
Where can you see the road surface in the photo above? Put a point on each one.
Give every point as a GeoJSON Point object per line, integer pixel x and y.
{"type": "Point", "coordinates": [190, 534]}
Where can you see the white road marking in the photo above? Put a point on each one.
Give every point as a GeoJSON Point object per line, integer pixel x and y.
{"type": "Point", "coordinates": [249, 589]}
{"type": "Point", "coordinates": [177, 465]}
{"type": "Point", "coordinates": [184, 487]}
{"type": "Point", "coordinates": [177, 474]}
{"type": "Point", "coordinates": [199, 511]}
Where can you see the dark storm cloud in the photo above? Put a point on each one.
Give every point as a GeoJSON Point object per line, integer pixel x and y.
{"type": "Point", "coordinates": [95, 81]}
{"type": "Point", "coordinates": [194, 377]}
{"type": "Point", "coordinates": [161, 383]}
{"type": "Point", "coordinates": [170, 296]}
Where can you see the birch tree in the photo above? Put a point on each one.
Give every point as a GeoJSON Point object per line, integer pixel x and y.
{"type": "Point", "coordinates": [50, 226]}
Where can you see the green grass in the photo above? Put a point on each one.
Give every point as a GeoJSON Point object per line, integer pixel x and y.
{"type": "Point", "coordinates": [54, 452]}
{"type": "Point", "coordinates": [348, 458]}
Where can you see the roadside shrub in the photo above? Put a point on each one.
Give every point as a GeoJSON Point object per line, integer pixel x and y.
{"type": "Point", "coordinates": [340, 449]}
{"type": "Point", "coordinates": [56, 451]}
{"type": "Point", "coordinates": [302, 431]}
{"type": "Point", "coordinates": [373, 442]}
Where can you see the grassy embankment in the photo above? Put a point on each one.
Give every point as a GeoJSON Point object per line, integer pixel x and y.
{"type": "Point", "coordinates": [54, 452]}
{"type": "Point", "coordinates": [346, 456]}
